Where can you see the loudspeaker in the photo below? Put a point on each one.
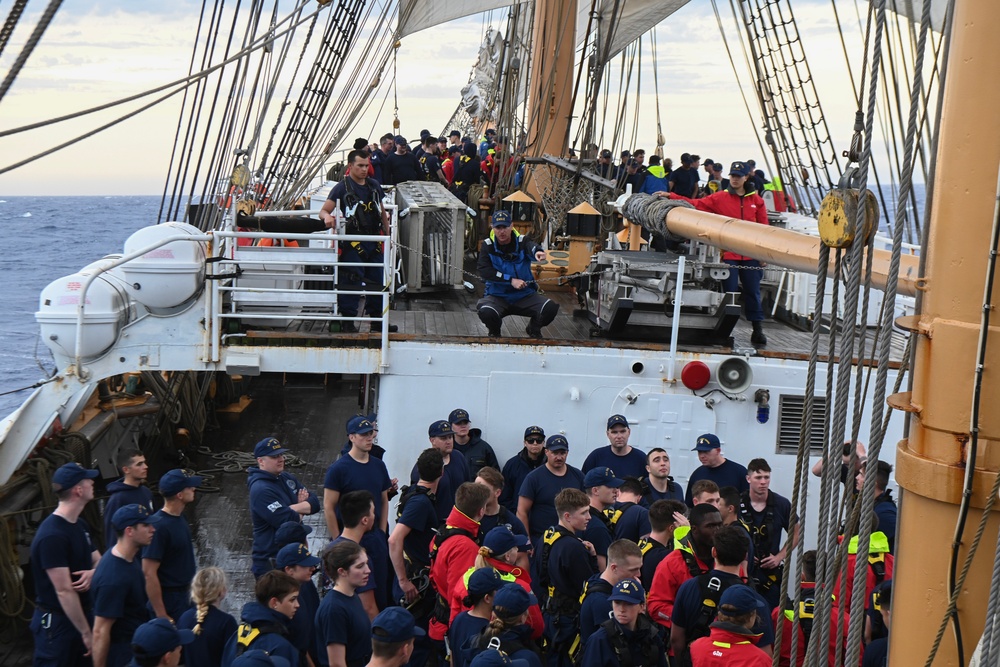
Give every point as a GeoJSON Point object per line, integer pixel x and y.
{"type": "Point", "coordinates": [734, 375]}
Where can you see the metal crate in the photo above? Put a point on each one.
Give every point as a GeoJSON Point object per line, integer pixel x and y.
{"type": "Point", "coordinates": [431, 236]}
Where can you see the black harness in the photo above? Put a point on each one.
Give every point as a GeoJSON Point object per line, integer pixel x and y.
{"type": "Point", "coordinates": [557, 603]}
{"type": "Point", "coordinates": [363, 217]}
{"type": "Point", "coordinates": [644, 638]}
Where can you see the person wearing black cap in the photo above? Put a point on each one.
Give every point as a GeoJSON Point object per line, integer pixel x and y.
{"type": "Point", "coordinates": [63, 560]}
{"type": "Point", "coordinates": [357, 470]}
{"type": "Point", "coordinates": [518, 466]}
{"type": "Point", "coordinates": [295, 560]}
{"type": "Point", "coordinates": [393, 633]}
{"type": "Point", "coordinates": [119, 588]}
{"type": "Point", "coordinates": [715, 467]}
{"type": "Point", "coordinates": [507, 631]}
{"type": "Point", "coordinates": [399, 165]}
{"type": "Point", "coordinates": [481, 586]}
{"type": "Point", "coordinates": [168, 562]}
{"type": "Point", "coordinates": [604, 168]}
{"type": "Point", "coordinates": [684, 181]}
{"type": "Point", "coordinates": [623, 458]}
{"type": "Point", "coordinates": [455, 138]}
{"type": "Point", "coordinates": [732, 643]}
{"type": "Point", "coordinates": [430, 165]}
{"type": "Point", "coordinates": [469, 441]}
{"type": "Point", "coordinates": [601, 486]}
{"type": "Point", "coordinates": [628, 638]}
{"type": "Point", "coordinates": [456, 468]}
{"type": "Point", "coordinates": [536, 507]}
{"type": "Point", "coordinates": [418, 151]}
{"type": "Point", "coordinates": [505, 266]}
{"type": "Point", "coordinates": [487, 143]}
{"type": "Point", "coordinates": [158, 644]}
{"type": "Point", "coordinates": [276, 496]}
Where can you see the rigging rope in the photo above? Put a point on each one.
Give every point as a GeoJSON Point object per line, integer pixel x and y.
{"type": "Point", "coordinates": [36, 36]}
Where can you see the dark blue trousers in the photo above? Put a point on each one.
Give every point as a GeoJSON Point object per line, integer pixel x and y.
{"type": "Point", "coordinates": [746, 274]}
{"type": "Point", "coordinates": [358, 277]}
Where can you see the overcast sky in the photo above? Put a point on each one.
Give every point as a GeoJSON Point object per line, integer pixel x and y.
{"type": "Point", "coordinates": [97, 52]}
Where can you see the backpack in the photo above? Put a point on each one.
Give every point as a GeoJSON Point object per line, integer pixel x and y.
{"type": "Point", "coordinates": [247, 634]}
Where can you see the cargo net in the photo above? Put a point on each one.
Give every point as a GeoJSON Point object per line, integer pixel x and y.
{"type": "Point", "coordinates": [562, 192]}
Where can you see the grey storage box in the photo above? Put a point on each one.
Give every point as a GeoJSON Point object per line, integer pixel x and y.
{"type": "Point", "coordinates": [431, 236]}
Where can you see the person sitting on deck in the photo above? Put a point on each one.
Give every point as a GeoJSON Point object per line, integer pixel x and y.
{"type": "Point", "coordinates": [505, 266]}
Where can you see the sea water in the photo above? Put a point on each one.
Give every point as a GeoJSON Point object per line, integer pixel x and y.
{"type": "Point", "coordinates": [52, 237]}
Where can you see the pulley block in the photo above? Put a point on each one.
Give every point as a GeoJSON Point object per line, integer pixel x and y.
{"type": "Point", "coordinates": [838, 217]}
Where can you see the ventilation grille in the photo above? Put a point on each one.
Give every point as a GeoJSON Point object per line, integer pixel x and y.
{"type": "Point", "coordinates": [791, 412]}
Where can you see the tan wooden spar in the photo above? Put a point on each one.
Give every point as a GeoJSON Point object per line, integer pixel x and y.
{"type": "Point", "coordinates": [778, 246]}
{"type": "Point", "coordinates": [930, 462]}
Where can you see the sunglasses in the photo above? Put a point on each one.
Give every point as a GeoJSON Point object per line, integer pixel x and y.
{"type": "Point", "coordinates": [535, 441]}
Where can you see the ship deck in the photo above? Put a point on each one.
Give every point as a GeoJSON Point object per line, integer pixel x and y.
{"type": "Point", "coordinates": [451, 315]}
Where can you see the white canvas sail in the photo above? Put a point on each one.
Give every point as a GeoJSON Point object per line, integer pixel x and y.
{"type": "Point", "coordinates": [636, 17]}
{"type": "Point", "coordinates": [417, 15]}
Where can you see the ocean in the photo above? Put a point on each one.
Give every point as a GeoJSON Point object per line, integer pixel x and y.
{"type": "Point", "coordinates": [66, 234]}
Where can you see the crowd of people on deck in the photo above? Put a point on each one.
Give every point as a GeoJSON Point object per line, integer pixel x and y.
{"type": "Point", "coordinates": [485, 563]}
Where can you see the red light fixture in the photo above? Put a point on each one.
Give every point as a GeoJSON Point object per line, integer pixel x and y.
{"type": "Point", "coordinates": [695, 375]}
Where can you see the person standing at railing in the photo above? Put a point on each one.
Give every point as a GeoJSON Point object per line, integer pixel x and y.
{"type": "Point", "coordinates": [359, 198]}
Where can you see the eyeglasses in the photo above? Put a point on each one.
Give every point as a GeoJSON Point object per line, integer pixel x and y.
{"type": "Point", "coordinates": [535, 441]}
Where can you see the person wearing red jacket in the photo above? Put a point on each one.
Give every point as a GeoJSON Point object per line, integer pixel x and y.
{"type": "Point", "coordinates": [693, 553]}
{"type": "Point", "coordinates": [785, 615]}
{"type": "Point", "coordinates": [454, 551]}
{"type": "Point", "coordinates": [499, 551]}
{"type": "Point", "coordinates": [742, 202]}
{"type": "Point", "coordinates": [731, 642]}
{"type": "Point", "coordinates": [880, 566]}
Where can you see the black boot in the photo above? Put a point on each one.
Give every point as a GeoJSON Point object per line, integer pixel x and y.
{"type": "Point", "coordinates": [534, 331]}
{"type": "Point", "coordinates": [758, 337]}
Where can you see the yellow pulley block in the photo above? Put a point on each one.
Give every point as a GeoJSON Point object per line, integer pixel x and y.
{"type": "Point", "coordinates": [838, 218]}
{"type": "Point", "coordinates": [240, 177]}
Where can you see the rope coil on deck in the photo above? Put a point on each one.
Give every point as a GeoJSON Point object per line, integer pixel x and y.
{"type": "Point", "coordinates": [651, 213]}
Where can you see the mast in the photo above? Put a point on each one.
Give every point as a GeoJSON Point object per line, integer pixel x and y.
{"type": "Point", "coordinates": [550, 100]}
{"type": "Point", "coordinates": [931, 461]}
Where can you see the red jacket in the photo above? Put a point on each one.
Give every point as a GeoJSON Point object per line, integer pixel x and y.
{"type": "Point", "coordinates": [670, 574]}
{"type": "Point", "coordinates": [785, 654]}
{"type": "Point", "coordinates": [870, 581]}
{"type": "Point", "coordinates": [727, 647]}
{"type": "Point", "coordinates": [510, 573]}
{"type": "Point", "coordinates": [456, 555]}
{"type": "Point", "coordinates": [749, 207]}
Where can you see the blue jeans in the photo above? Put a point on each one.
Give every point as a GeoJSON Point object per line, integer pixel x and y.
{"type": "Point", "coordinates": [746, 273]}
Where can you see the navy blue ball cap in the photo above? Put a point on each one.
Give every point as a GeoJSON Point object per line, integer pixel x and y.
{"type": "Point", "coordinates": [557, 443]}
{"type": "Point", "coordinates": [534, 432]}
{"type": "Point", "coordinates": [458, 416]}
{"type": "Point", "coordinates": [269, 447]}
{"type": "Point", "coordinates": [70, 474]}
{"type": "Point", "coordinates": [707, 442]}
{"type": "Point", "coordinates": [129, 515]}
{"type": "Point", "coordinates": [484, 580]}
{"type": "Point", "coordinates": [359, 425]}
{"type": "Point", "coordinates": [258, 658]}
{"type": "Point", "coordinates": [291, 532]}
{"type": "Point", "coordinates": [512, 598]}
{"type": "Point", "coordinates": [399, 140]}
{"type": "Point", "coordinates": [295, 554]}
{"type": "Point", "coordinates": [500, 540]}
{"type": "Point", "coordinates": [493, 657]}
{"type": "Point", "coordinates": [439, 429]}
{"type": "Point", "coordinates": [602, 477]}
{"type": "Point", "coordinates": [501, 219]}
{"type": "Point", "coordinates": [739, 169]}
{"type": "Point", "coordinates": [617, 420]}
{"type": "Point", "coordinates": [395, 624]}
{"type": "Point", "coordinates": [628, 590]}
{"type": "Point", "coordinates": [176, 480]}
{"type": "Point", "coordinates": [455, 133]}
{"type": "Point", "coordinates": [425, 133]}
{"type": "Point", "coordinates": [524, 543]}
{"type": "Point", "coordinates": [159, 637]}
{"type": "Point", "coordinates": [741, 598]}
{"type": "Point", "coordinates": [490, 132]}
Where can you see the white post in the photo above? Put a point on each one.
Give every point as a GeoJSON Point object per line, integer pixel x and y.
{"type": "Point", "coordinates": [678, 294]}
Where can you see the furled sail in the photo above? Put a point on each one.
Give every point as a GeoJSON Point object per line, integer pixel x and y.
{"type": "Point", "coordinates": [911, 9]}
{"type": "Point", "coordinates": [417, 15]}
{"type": "Point", "coordinates": [635, 18]}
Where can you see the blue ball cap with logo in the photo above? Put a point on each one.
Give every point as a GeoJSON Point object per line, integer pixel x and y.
{"type": "Point", "coordinates": [159, 637]}
{"type": "Point", "coordinates": [500, 540]}
{"type": "Point", "coordinates": [741, 598]}
{"type": "Point", "coordinates": [130, 515]}
{"type": "Point", "coordinates": [439, 429]}
{"type": "Point", "coordinates": [269, 447]}
{"type": "Point", "coordinates": [739, 169]}
{"type": "Point", "coordinates": [258, 658]}
{"type": "Point", "coordinates": [706, 442]}
{"type": "Point", "coordinates": [501, 219]}
{"type": "Point", "coordinates": [291, 532]}
{"type": "Point", "coordinates": [395, 624]}
{"type": "Point", "coordinates": [617, 420]}
{"type": "Point", "coordinates": [458, 415]}
{"type": "Point", "coordinates": [557, 443]}
{"type": "Point", "coordinates": [534, 432]}
{"type": "Point", "coordinates": [69, 475]}
{"type": "Point", "coordinates": [513, 599]}
{"type": "Point", "coordinates": [601, 477]}
{"type": "Point", "coordinates": [628, 590]}
{"type": "Point", "coordinates": [359, 425]}
{"type": "Point", "coordinates": [176, 480]}
{"type": "Point", "coordinates": [295, 554]}
{"type": "Point", "coordinates": [484, 580]}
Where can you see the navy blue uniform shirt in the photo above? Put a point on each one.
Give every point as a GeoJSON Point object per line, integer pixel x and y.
{"type": "Point", "coordinates": [782, 519]}
{"type": "Point", "coordinates": [456, 473]}
{"type": "Point", "coordinates": [207, 648]}
{"type": "Point", "coordinates": [462, 629]}
{"type": "Point", "coordinates": [633, 524]}
{"type": "Point", "coordinates": [541, 487]}
{"type": "Point", "coordinates": [502, 518]}
{"type": "Point", "coordinates": [173, 547]}
{"type": "Point", "coordinates": [123, 494]}
{"type": "Point", "coordinates": [729, 473]}
{"type": "Point", "coordinates": [119, 591]}
{"type": "Point", "coordinates": [514, 472]}
{"type": "Point", "coordinates": [420, 516]}
{"type": "Point", "coordinates": [346, 475]}
{"type": "Point", "coordinates": [632, 464]}
{"type": "Point", "coordinates": [342, 620]}
{"type": "Point", "coordinates": [59, 543]}
{"type": "Point", "coordinates": [597, 533]}
{"type": "Point", "coordinates": [595, 608]}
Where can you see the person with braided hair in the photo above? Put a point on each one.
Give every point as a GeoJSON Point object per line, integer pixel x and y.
{"type": "Point", "coordinates": [211, 626]}
{"type": "Point", "coordinates": [499, 552]}
{"type": "Point", "coordinates": [507, 630]}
